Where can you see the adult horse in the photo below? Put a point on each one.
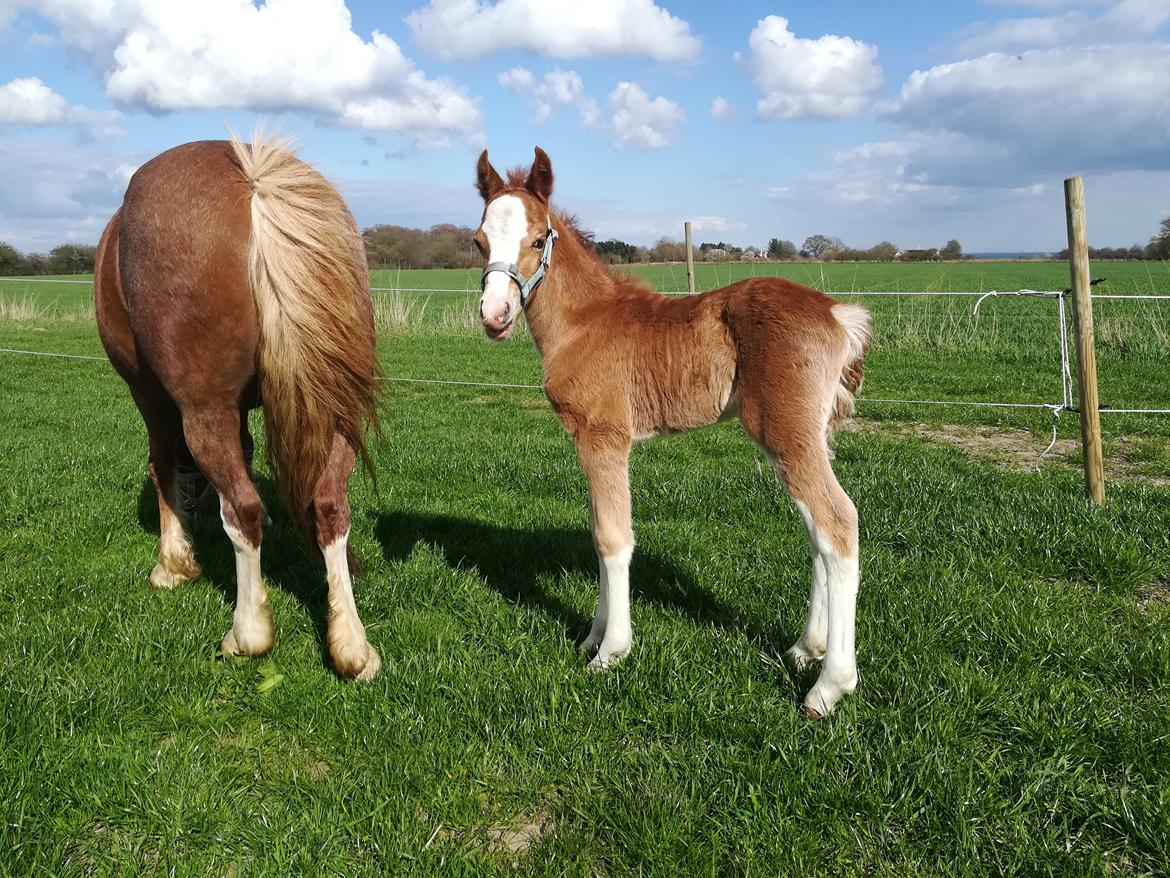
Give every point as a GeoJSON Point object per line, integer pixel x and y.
{"type": "Point", "coordinates": [234, 275]}
{"type": "Point", "coordinates": [622, 363]}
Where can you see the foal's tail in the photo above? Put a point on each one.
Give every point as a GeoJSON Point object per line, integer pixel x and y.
{"type": "Point", "coordinates": [854, 320]}
{"type": "Point", "coordinates": [318, 372]}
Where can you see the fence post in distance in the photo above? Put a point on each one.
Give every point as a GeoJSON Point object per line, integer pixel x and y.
{"type": "Point", "coordinates": [690, 257]}
{"type": "Point", "coordinates": [1078, 263]}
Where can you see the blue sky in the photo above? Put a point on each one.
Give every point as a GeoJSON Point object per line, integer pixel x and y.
{"type": "Point", "coordinates": [913, 122]}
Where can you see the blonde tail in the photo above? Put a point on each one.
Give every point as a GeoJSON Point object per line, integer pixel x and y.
{"type": "Point", "coordinates": [855, 321]}
{"type": "Point", "coordinates": [318, 372]}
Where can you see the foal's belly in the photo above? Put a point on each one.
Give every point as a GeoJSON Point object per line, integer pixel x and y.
{"type": "Point", "coordinates": [684, 405]}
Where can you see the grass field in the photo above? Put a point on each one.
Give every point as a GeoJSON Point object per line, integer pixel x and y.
{"type": "Point", "coordinates": [1014, 643]}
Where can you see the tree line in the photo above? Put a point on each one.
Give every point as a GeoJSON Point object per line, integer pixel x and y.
{"type": "Point", "coordinates": [62, 259]}
{"type": "Point", "coordinates": [451, 246]}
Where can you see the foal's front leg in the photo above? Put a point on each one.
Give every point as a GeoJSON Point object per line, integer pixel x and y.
{"type": "Point", "coordinates": [605, 460]}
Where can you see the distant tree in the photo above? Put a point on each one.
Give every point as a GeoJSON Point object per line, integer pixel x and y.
{"type": "Point", "coordinates": [817, 246]}
{"type": "Point", "coordinates": [781, 249]}
{"type": "Point", "coordinates": [1159, 247]}
{"type": "Point", "coordinates": [883, 252]}
{"type": "Point", "coordinates": [614, 251]}
{"type": "Point", "coordinates": [35, 263]}
{"type": "Point", "coordinates": [72, 259]}
{"type": "Point", "coordinates": [668, 250]}
{"type": "Point", "coordinates": [953, 250]}
{"type": "Point", "coordinates": [11, 259]}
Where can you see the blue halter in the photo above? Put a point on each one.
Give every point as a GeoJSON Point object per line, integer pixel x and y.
{"type": "Point", "coordinates": [527, 285]}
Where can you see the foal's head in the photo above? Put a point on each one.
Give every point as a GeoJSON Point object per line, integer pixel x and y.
{"type": "Point", "coordinates": [514, 238]}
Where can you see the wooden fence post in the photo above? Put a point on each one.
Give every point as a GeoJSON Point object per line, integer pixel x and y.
{"type": "Point", "coordinates": [1078, 263]}
{"type": "Point", "coordinates": [690, 257]}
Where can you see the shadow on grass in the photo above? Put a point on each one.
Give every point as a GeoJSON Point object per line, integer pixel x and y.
{"type": "Point", "coordinates": [517, 563]}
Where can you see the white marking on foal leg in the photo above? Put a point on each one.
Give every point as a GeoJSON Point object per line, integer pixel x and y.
{"type": "Point", "coordinates": [838, 675]}
{"type": "Point", "coordinates": [352, 654]}
{"type": "Point", "coordinates": [811, 645]}
{"type": "Point", "coordinates": [615, 592]}
{"type": "Point", "coordinates": [251, 632]}
{"type": "Point", "coordinates": [597, 632]}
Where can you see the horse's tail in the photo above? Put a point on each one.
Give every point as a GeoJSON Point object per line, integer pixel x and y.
{"type": "Point", "coordinates": [318, 373]}
{"type": "Point", "coordinates": [854, 320]}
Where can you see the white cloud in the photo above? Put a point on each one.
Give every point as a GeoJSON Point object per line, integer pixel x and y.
{"type": "Point", "coordinates": [1053, 112]}
{"type": "Point", "coordinates": [722, 110]}
{"type": "Point", "coordinates": [28, 101]}
{"type": "Point", "coordinates": [716, 224]}
{"type": "Point", "coordinates": [1124, 20]}
{"type": "Point", "coordinates": [285, 55]}
{"type": "Point", "coordinates": [640, 121]}
{"type": "Point", "coordinates": [462, 29]}
{"type": "Point", "coordinates": [829, 78]}
{"type": "Point", "coordinates": [557, 88]}
{"type": "Point", "coordinates": [67, 191]}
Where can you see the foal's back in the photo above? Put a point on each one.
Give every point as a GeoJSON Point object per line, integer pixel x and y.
{"type": "Point", "coordinates": [182, 238]}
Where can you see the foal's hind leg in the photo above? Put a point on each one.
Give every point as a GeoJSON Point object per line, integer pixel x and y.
{"type": "Point", "coordinates": [176, 559]}
{"type": "Point", "coordinates": [213, 435]}
{"type": "Point", "coordinates": [831, 521]}
{"type": "Point", "coordinates": [351, 651]}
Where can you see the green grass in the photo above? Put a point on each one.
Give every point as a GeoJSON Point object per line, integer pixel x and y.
{"type": "Point", "coordinates": [1014, 643]}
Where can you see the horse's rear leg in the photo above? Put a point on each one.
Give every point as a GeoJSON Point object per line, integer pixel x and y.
{"type": "Point", "coordinates": [831, 521]}
{"type": "Point", "coordinates": [351, 652]}
{"type": "Point", "coordinates": [605, 460]}
{"type": "Point", "coordinates": [213, 435]}
{"type": "Point", "coordinates": [176, 559]}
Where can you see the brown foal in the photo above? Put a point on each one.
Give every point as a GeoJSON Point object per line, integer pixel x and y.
{"type": "Point", "coordinates": [623, 363]}
{"type": "Point", "coordinates": [233, 274]}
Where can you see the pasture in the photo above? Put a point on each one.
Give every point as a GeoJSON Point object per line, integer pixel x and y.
{"type": "Point", "coordinates": [1014, 643]}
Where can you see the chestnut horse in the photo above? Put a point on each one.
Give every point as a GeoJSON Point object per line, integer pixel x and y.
{"type": "Point", "coordinates": [623, 363]}
{"type": "Point", "coordinates": [234, 275]}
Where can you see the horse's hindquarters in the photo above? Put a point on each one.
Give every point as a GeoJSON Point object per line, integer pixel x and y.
{"type": "Point", "coordinates": [182, 259]}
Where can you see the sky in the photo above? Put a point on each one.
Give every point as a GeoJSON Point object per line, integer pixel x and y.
{"type": "Point", "coordinates": [912, 121]}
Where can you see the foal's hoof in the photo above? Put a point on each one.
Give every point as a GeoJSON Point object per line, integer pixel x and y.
{"type": "Point", "coordinates": [799, 660]}
{"type": "Point", "coordinates": [254, 645]}
{"type": "Point", "coordinates": [824, 697]}
{"type": "Point", "coordinates": [361, 664]}
{"type": "Point", "coordinates": [605, 660]}
{"type": "Point", "coordinates": [166, 578]}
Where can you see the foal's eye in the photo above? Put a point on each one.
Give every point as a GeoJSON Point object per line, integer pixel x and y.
{"type": "Point", "coordinates": [538, 244]}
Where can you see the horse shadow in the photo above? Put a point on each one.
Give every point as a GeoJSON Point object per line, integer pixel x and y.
{"type": "Point", "coordinates": [517, 563]}
{"type": "Point", "coordinates": [289, 562]}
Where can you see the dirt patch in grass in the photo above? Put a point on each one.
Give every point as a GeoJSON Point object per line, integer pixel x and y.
{"type": "Point", "coordinates": [514, 838]}
{"type": "Point", "coordinates": [1155, 597]}
{"type": "Point", "coordinates": [1020, 450]}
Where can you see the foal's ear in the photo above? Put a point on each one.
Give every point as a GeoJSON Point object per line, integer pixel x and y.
{"type": "Point", "coordinates": [540, 178]}
{"type": "Point", "coordinates": [486, 179]}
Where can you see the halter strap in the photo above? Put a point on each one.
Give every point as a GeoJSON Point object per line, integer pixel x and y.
{"type": "Point", "coordinates": [527, 285]}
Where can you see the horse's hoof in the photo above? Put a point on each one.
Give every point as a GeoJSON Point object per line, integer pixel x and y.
{"type": "Point", "coordinates": [165, 578]}
{"type": "Point", "coordinates": [252, 646]}
{"type": "Point", "coordinates": [360, 665]}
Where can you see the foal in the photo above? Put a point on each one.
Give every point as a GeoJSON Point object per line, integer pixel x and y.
{"type": "Point", "coordinates": [622, 363]}
{"type": "Point", "coordinates": [234, 275]}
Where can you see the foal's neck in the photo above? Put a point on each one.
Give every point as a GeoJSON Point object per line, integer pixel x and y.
{"type": "Point", "coordinates": [574, 292]}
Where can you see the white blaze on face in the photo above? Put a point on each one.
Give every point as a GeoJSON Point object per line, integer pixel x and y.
{"type": "Point", "coordinates": [505, 224]}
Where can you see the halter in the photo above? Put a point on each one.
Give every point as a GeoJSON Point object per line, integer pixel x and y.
{"type": "Point", "coordinates": [527, 285]}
